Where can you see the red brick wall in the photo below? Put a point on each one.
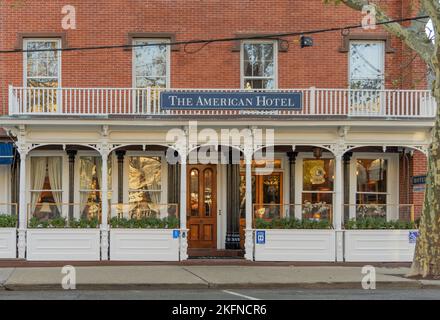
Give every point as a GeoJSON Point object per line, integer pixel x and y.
{"type": "Point", "coordinates": [216, 66]}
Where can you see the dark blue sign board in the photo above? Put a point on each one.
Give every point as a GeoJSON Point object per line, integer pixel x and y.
{"type": "Point", "coordinates": [260, 237]}
{"type": "Point", "coordinates": [176, 234]}
{"type": "Point", "coordinates": [419, 180]}
{"type": "Point", "coordinates": [188, 100]}
{"type": "Point", "coordinates": [6, 153]}
{"type": "Point", "coordinates": [412, 236]}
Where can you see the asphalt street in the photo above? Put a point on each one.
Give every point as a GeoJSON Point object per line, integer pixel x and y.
{"type": "Point", "coordinates": [221, 294]}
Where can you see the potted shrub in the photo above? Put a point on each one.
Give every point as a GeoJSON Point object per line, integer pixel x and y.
{"type": "Point", "coordinates": [8, 236]}
{"type": "Point", "coordinates": [144, 239]}
{"type": "Point", "coordinates": [291, 239]}
{"type": "Point", "coordinates": [59, 239]}
{"type": "Point", "coordinates": [374, 239]}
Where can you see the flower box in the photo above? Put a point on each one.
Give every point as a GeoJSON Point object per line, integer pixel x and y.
{"type": "Point", "coordinates": [63, 244]}
{"type": "Point", "coordinates": [144, 244]}
{"type": "Point", "coordinates": [8, 243]}
{"type": "Point", "coordinates": [378, 246]}
{"type": "Point", "coordinates": [295, 245]}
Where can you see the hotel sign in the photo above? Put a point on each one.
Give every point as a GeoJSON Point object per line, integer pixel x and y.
{"type": "Point", "coordinates": [181, 100]}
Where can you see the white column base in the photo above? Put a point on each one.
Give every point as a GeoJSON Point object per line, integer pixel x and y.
{"type": "Point", "coordinates": [249, 244]}
{"type": "Point", "coordinates": [339, 245]}
{"type": "Point", "coordinates": [104, 242]}
{"type": "Point", "coordinates": [184, 244]}
{"type": "Point", "coordinates": [21, 243]}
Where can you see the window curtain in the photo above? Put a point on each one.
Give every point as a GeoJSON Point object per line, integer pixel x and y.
{"type": "Point", "coordinates": [55, 172]}
{"type": "Point", "coordinates": [154, 192]}
{"type": "Point", "coordinates": [38, 173]}
{"type": "Point", "coordinates": [87, 165]}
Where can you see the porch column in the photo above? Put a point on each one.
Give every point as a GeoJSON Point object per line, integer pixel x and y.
{"type": "Point", "coordinates": [347, 159]}
{"type": "Point", "coordinates": [120, 155]}
{"type": "Point", "coordinates": [338, 205]}
{"type": "Point", "coordinates": [22, 215]}
{"type": "Point", "coordinates": [249, 233]}
{"type": "Point", "coordinates": [182, 210]}
{"type": "Point", "coordinates": [104, 199]}
{"type": "Point", "coordinates": [292, 160]}
{"type": "Point", "coordinates": [72, 155]}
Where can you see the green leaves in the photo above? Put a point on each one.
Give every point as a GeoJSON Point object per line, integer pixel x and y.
{"type": "Point", "coordinates": [378, 223]}
{"type": "Point", "coordinates": [8, 221]}
{"type": "Point", "coordinates": [145, 223]}
{"type": "Point", "coordinates": [60, 223]}
{"type": "Point", "coordinates": [292, 223]}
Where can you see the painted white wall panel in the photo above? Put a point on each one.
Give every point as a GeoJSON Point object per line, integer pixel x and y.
{"type": "Point", "coordinates": [378, 246]}
{"type": "Point", "coordinates": [297, 245]}
{"type": "Point", "coordinates": [143, 245]}
{"type": "Point", "coordinates": [8, 243]}
{"type": "Point", "coordinates": [63, 244]}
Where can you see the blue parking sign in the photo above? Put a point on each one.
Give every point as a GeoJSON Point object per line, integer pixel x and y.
{"type": "Point", "coordinates": [261, 237]}
{"type": "Point", "coordinates": [412, 236]}
{"type": "Point", "coordinates": [176, 234]}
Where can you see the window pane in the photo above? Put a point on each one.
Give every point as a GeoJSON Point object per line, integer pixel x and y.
{"type": "Point", "coordinates": [194, 192]}
{"type": "Point", "coordinates": [317, 206]}
{"type": "Point", "coordinates": [90, 173]}
{"type": "Point", "coordinates": [150, 63]}
{"type": "Point", "coordinates": [42, 63]}
{"type": "Point", "coordinates": [208, 192]}
{"type": "Point", "coordinates": [368, 205]}
{"type": "Point", "coordinates": [243, 194]}
{"type": "Point", "coordinates": [272, 189]}
{"type": "Point", "coordinates": [366, 60]}
{"type": "Point", "coordinates": [143, 82]}
{"type": "Point", "coordinates": [371, 175]}
{"type": "Point", "coordinates": [144, 173]}
{"type": "Point", "coordinates": [318, 175]}
{"type": "Point", "coordinates": [258, 61]}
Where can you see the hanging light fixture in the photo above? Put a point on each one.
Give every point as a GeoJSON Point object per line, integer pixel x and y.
{"type": "Point", "coordinates": [317, 152]}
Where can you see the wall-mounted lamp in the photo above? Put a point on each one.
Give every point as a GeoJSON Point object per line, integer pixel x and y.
{"type": "Point", "coordinates": [306, 42]}
{"type": "Point", "coordinates": [317, 152]}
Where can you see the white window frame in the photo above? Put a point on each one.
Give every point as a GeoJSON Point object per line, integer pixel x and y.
{"type": "Point", "coordinates": [299, 180]}
{"type": "Point", "coordinates": [77, 189]}
{"type": "Point", "coordinates": [392, 182]}
{"type": "Point", "coordinates": [164, 173]}
{"type": "Point", "coordinates": [275, 61]}
{"type": "Point", "coordinates": [25, 61]}
{"type": "Point", "coordinates": [382, 57]}
{"type": "Point", "coordinates": [168, 67]}
{"type": "Point", "coordinates": [64, 177]}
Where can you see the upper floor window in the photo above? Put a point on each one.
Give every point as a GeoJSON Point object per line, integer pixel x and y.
{"type": "Point", "coordinates": [151, 63]}
{"type": "Point", "coordinates": [42, 68]}
{"type": "Point", "coordinates": [259, 65]}
{"type": "Point", "coordinates": [367, 64]}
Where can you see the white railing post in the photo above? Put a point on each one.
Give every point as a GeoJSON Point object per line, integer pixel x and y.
{"type": "Point", "coordinates": [12, 104]}
{"type": "Point", "coordinates": [312, 100]}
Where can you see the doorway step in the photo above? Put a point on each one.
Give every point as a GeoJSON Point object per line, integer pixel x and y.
{"type": "Point", "coordinates": [215, 254]}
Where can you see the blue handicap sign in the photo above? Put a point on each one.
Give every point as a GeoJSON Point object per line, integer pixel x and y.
{"type": "Point", "coordinates": [412, 236]}
{"type": "Point", "coordinates": [176, 234]}
{"type": "Point", "coordinates": [261, 237]}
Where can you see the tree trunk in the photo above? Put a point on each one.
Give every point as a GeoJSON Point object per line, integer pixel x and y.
{"type": "Point", "coordinates": [426, 261]}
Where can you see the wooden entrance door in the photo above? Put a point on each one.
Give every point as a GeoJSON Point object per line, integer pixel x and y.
{"type": "Point", "coordinates": [202, 206]}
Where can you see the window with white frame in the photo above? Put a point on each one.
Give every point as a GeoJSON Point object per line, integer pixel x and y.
{"type": "Point", "coordinates": [151, 63]}
{"type": "Point", "coordinates": [90, 185]}
{"type": "Point", "coordinates": [367, 65]}
{"type": "Point", "coordinates": [42, 69]}
{"type": "Point", "coordinates": [259, 64]}
{"type": "Point", "coordinates": [144, 185]}
{"type": "Point", "coordinates": [46, 189]}
{"type": "Point", "coordinates": [371, 187]}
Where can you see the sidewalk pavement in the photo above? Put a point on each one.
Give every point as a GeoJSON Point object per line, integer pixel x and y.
{"type": "Point", "coordinates": [193, 277]}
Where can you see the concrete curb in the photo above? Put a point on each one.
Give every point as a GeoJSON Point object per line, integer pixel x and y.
{"type": "Point", "coordinates": [156, 286]}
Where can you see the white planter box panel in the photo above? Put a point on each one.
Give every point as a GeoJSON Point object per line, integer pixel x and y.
{"type": "Point", "coordinates": [297, 245]}
{"type": "Point", "coordinates": [378, 246]}
{"type": "Point", "coordinates": [63, 244]}
{"type": "Point", "coordinates": [8, 243]}
{"type": "Point", "coordinates": [143, 245]}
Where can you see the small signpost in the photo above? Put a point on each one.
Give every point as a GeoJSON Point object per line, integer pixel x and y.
{"type": "Point", "coordinates": [261, 237]}
{"type": "Point", "coordinates": [176, 234]}
{"type": "Point", "coordinates": [419, 183]}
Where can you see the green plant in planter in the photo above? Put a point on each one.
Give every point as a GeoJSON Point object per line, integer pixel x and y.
{"type": "Point", "coordinates": [8, 221]}
{"type": "Point", "coordinates": [292, 223]}
{"type": "Point", "coordinates": [84, 223]}
{"type": "Point", "coordinates": [379, 223]}
{"type": "Point", "coordinates": [59, 223]}
{"type": "Point", "coordinates": [144, 223]}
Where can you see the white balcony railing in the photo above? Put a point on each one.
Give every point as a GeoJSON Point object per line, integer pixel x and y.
{"type": "Point", "coordinates": [146, 101]}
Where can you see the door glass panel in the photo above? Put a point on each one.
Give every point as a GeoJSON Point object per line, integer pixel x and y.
{"type": "Point", "coordinates": [194, 192]}
{"type": "Point", "coordinates": [208, 192]}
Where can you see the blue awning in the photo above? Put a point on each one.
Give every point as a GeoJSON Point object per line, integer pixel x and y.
{"type": "Point", "coordinates": [6, 153]}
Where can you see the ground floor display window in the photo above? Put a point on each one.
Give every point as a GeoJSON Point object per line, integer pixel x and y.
{"type": "Point", "coordinates": [46, 189]}
{"type": "Point", "coordinates": [317, 189]}
{"type": "Point", "coordinates": [144, 185]}
{"type": "Point", "coordinates": [90, 185]}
